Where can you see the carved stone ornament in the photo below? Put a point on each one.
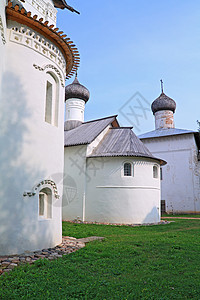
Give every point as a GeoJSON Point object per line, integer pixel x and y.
{"type": "Point", "coordinates": [54, 69]}
{"type": "Point", "coordinates": [27, 37]}
{"type": "Point", "coordinates": [47, 182]}
{"type": "Point", "coordinates": [2, 31]}
{"type": "Point", "coordinates": [45, 9]}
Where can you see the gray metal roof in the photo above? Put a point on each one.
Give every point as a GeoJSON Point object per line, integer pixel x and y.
{"type": "Point", "coordinates": [87, 132]}
{"type": "Point", "coordinates": [122, 142]}
{"type": "Point", "coordinates": [164, 132]}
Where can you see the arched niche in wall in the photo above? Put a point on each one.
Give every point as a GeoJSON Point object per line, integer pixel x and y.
{"type": "Point", "coordinates": [51, 99]}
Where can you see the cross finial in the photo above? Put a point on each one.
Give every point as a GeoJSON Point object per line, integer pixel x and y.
{"type": "Point", "coordinates": [161, 85]}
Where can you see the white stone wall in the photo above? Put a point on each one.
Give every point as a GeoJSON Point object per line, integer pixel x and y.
{"type": "Point", "coordinates": [75, 177]}
{"type": "Point", "coordinates": [99, 192]}
{"type": "Point", "coordinates": [113, 198]}
{"type": "Point", "coordinates": [181, 176]}
{"type": "Point", "coordinates": [2, 39]}
{"type": "Point", "coordinates": [31, 149]}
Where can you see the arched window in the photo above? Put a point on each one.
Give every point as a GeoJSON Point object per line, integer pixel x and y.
{"type": "Point", "coordinates": [52, 100]}
{"type": "Point", "coordinates": [45, 203]}
{"type": "Point", "coordinates": [128, 169]}
{"type": "Point", "coordinates": [155, 172]}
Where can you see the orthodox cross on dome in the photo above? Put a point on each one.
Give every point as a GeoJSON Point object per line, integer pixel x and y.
{"type": "Point", "coordinates": [63, 4]}
{"type": "Point", "coordinates": [161, 81]}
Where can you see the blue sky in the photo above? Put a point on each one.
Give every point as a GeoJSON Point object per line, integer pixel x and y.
{"type": "Point", "coordinates": [127, 46]}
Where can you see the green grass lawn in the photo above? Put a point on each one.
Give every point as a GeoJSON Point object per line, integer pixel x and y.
{"type": "Point", "coordinates": [152, 262]}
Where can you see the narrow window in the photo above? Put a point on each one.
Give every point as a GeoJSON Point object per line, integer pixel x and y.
{"type": "Point", "coordinates": [127, 169]}
{"type": "Point", "coordinates": [48, 110]}
{"type": "Point", "coordinates": [41, 204]}
{"type": "Point", "coordinates": [155, 172]}
{"type": "Point", "coordinates": [45, 203]}
{"type": "Point", "coordinates": [52, 100]}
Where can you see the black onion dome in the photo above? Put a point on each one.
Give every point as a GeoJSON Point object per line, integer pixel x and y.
{"type": "Point", "coordinates": [163, 102]}
{"type": "Point", "coordinates": [76, 90]}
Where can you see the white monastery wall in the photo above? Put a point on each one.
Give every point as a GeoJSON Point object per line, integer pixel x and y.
{"type": "Point", "coordinates": [180, 187]}
{"type": "Point", "coordinates": [114, 198]}
{"type": "Point", "coordinates": [32, 150]}
{"type": "Point", "coordinates": [2, 39]}
{"type": "Point", "coordinates": [75, 177]}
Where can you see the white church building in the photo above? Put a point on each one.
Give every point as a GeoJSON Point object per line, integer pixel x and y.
{"type": "Point", "coordinates": [109, 174]}
{"type": "Point", "coordinates": [35, 60]}
{"type": "Point", "coordinates": [180, 178]}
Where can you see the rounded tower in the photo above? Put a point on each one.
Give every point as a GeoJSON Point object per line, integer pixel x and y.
{"type": "Point", "coordinates": [76, 96]}
{"type": "Point", "coordinates": [163, 109]}
{"type": "Point", "coordinates": [38, 58]}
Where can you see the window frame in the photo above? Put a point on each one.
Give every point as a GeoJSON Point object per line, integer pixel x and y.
{"type": "Point", "coordinates": [131, 169]}
{"type": "Point", "coordinates": [47, 210]}
{"type": "Point", "coordinates": [155, 173]}
{"type": "Point", "coordinates": [51, 99]}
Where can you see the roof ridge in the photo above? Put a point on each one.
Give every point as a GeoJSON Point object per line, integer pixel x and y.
{"type": "Point", "coordinates": [114, 116]}
{"type": "Point", "coordinates": [128, 127]}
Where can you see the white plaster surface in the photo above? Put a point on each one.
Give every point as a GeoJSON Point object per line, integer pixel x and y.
{"type": "Point", "coordinates": [75, 109]}
{"type": "Point", "coordinates": [113, 198]}
{"type": "Point", "coordinates": [75, 176]}
{"type": "Point", "coordinates": [181, 176]}
{"type": "Point", "coordinates": [31, 151]}
{"type": "Point", "coordinates": [109, 196]}
{"type": "Point", "coordinates": [2, 39]}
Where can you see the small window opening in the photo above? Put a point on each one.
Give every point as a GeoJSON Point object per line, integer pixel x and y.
{"type": "Point", "coordinates": [45, 204]}
{"type": "Point", "coordinates": [155, 172]}
{"type": "Point", "coordinates": [48, 111]}
{"type": "Point", "coordinates": [127, 169]}
{"type": "Point", "coordinates": [52, 100]}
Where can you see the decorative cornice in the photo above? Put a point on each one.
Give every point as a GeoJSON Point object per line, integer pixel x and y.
{"type": "Point", "coordinates": [25, 36]}
{"type": "Point", "coordinates": [59, 39]}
